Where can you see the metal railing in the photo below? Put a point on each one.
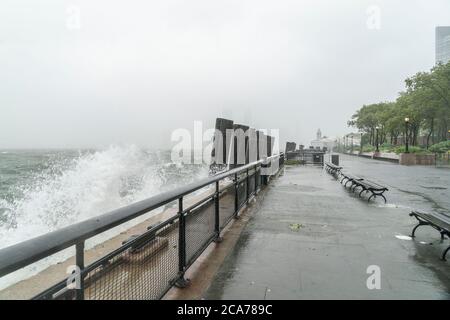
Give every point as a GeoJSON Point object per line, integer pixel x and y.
{"type": "Point", "coordinates": [148, 265]}
{"type": "Point", "coordinates": [307, 156]}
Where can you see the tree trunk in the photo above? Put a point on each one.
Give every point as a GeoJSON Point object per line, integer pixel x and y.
{"type": "Point", "coordinates": [430, 133]}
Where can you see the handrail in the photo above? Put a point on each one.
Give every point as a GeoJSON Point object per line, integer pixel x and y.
{"type": "Point", "coordinates": [27, 252]}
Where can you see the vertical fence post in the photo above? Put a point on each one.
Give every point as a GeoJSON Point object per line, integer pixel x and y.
{"type": "Point", "coordinates": [217, 239]}
{"type": "Point", "coordinates": [236, 195]}
{"type": "Point", "coordinates": [256, 178]}
{"type": "Point", "coordinates": [264, 177]}
{"type": "Point", "coordinates": [79, 261]}
{"type": "Point", "coordinates": [247, 181]}
{"type": "Point", "coordinates": [181, 281]}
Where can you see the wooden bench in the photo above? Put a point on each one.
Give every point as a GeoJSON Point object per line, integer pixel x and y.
{"type": "Point", "coordinates": [332, 168]}
{"type": "Point", "coordinates": [370, 186]}
{"type": "Point", "coordinates": [438, 221]}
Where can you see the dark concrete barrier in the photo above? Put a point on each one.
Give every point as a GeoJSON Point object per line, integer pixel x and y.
{"type": "Point", "coordinates": [252, 150]}
{"type": "Point", "coordinates": [262, 144]}
{"type": "Point", "coordinates": [240, 149]}
{"type": "Point", "coordinates": [270, 144]}
{"type": "Point", "coordinates": [222, 144]}
{"type": "Point", "coordinates": [290, 146]}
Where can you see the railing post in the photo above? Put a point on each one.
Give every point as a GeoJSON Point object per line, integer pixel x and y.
{"type": "Point", "coordinates": [181, 282]}
{"type": "Point", "coordinates": [248, 185]}
{"type": "Point", "coordinates": [264, 177]}
{"type": "Point", "coordinates": [79, 261]}
{"type": "Point", "coordinates": [256, 178]}
{"type": "Point", "coordinates": [236, 195]}
{"type": "Point", "coordinates": [217, 239]}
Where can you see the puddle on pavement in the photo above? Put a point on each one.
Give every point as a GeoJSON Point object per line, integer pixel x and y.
{"type": "Point", "coordinates": [389, 205]}
{"type": "Point", "coordinates": [408, 238]}
{"type": "Point", "coordinates": [403, 237]}
{"type": "Point", "coordinates": [294, 187]}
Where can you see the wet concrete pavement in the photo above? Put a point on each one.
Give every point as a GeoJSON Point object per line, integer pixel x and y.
{"type": "Point", "coordinates": [338, 238]}
{"type": "Point", "coordinates": [413, 187]}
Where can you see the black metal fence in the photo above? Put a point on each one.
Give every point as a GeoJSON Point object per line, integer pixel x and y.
{"type": "Point", "coordinates": [147, 266]}
{"type": "Point", "coordinates": [307, 156]}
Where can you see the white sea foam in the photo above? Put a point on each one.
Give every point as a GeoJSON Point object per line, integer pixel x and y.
{"type": "Point", "coordinates": [89, 185]}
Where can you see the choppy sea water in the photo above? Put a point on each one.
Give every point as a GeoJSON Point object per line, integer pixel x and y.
{"type": "Point", "coordinates": [44, 190]}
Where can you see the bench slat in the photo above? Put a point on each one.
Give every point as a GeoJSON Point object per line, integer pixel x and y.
{"type": "Point", "coordinates": [437, 219]}
{"type": "Point", "coordinates": [328, 164]}
{"type": "Point", "coordinates": [370, 185]}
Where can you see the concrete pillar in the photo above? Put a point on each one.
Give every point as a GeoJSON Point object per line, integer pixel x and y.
{"type": "Point", "coordinates": [252, 154]}
{"type": "Point", "coordinates": [290, 146]}
{"type": "Point", "coordinates": [258, 135]}
{"type": "Point", "coordinates": [240, 145]}
{"type": "Point", "coordinates": [221, 151]}
{"type": "Point", "coordinates": [269, 145]}
{"type": "Point", "coordinates": [262, 145]}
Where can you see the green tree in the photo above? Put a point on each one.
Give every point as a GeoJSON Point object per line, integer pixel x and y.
{"type": "Point", "coordinates": [425, 101]}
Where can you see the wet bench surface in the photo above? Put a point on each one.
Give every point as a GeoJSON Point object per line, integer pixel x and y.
{"type": "Point", "coordinates": [438, 221]}
{"type": "Point", "coordinates": [311, 240]}
{"type": "Point", "coordinates": [332, 168]}
{"type": "Point", "coordinates": [366, 186]}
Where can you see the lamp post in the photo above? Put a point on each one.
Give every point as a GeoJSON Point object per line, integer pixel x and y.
{"type": "Point", "coordinates": [377, 128]}
{"type": "Point", "coordinates": [361, 143]}
{"type": "Point", "coordinates": [406, 135]}
{"type": "Point", "coordinates": [352, 142]}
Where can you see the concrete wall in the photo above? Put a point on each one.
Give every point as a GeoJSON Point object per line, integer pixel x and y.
{"type": "Point", "coordinates": [410, 159]}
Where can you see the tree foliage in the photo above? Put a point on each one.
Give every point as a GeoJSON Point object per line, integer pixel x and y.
{"type": "Point", "coordinates": [425, 101]}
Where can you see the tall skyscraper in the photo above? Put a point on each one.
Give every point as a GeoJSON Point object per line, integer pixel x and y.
{"type": "Point", "coordinates": [443, 44]}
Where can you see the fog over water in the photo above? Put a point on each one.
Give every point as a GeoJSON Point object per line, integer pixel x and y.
{"type": "Point", "coordinates": [92, 73]}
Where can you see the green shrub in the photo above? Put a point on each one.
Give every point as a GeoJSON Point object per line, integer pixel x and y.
{"type": "Point", "coordinates": [411, 149]}
{"type": "Point", "coordinates": [441, 147]}
{"type": "Point", "coordinates": [387, 147]}
{"type": "Point", "coordinates": [368, 148]}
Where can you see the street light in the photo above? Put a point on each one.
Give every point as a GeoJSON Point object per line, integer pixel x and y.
{"type": "Point", "coordinates": [406, 135]}
{"type": "Point", "coordinates": [377, 128]}
{"type": "Point", "coordinates": [352, 142]}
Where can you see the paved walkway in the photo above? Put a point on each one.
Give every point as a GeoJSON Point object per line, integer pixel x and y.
{"type": "Point", "coordinates": [327, 257]}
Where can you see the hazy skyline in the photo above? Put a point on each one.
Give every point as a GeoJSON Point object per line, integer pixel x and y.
{"type": "Point", "coordinates": [94, 73]}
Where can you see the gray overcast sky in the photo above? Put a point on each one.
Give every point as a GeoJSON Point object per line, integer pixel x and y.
{"type": "Point", "coordinates": [133, 71]}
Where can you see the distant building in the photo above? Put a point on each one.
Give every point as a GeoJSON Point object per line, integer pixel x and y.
{"type": "Point", "coordinates": [442, 44]}
{"type": "Point", "coordinates": [322, 141]}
